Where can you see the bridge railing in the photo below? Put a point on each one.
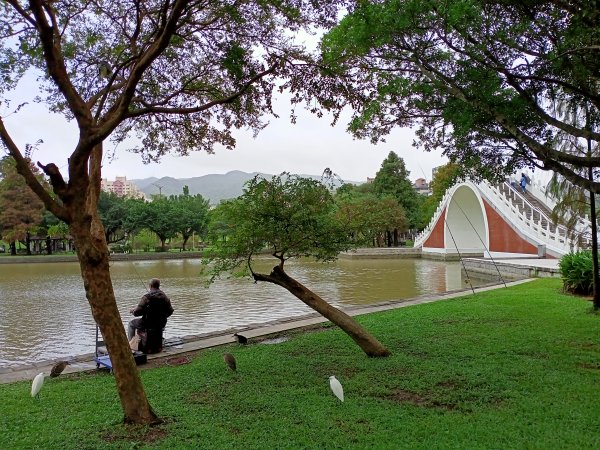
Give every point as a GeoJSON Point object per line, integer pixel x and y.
{"type": "Point", "coordinates": [525, 216]}
{"type": "Point", "coordinates": [423, 235]}
{"type": "Point", "coordinates": [535, 219]}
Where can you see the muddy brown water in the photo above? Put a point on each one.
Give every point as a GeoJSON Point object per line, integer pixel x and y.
{"type": "Point", "coordinates": [44, 314]}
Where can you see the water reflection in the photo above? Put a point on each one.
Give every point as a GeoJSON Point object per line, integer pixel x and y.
{"type": "Point", "coordinates": [45, 315]}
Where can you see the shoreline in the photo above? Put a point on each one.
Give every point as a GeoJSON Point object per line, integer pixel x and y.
{"type": "Point", "coordinates": [192, 344]}
{"type": "Point", "coordinates": [23, 259]}
{"type": "Point", "coordinates": [360, 253]}
{"type": "Point", "coordinates": [509, 268]}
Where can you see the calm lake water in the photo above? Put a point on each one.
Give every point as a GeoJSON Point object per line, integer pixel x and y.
{"type": "Point", "coordinates": [44, 314]}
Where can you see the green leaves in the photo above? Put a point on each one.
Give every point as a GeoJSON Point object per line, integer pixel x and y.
{"type": "Point", "coordinates": [21, 212]}
{"type": "Point", "coordinates": [287, 216]}
{"type": "Point", "coordinates": [576, 270]}
{"type": "Point", "coordinates": [234, 60]}
{"type": "Point", "coordinates": [392, 180]}
{"type": "Point", "coordinates": [481, 81]}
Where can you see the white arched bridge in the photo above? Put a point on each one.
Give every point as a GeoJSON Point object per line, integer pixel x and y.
{"type": "Point", "coordinates": [484, 220]}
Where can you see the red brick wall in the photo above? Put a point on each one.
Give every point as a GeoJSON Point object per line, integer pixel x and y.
{"type": "Point", "coordinates": [502, 236]}
{"type": "Point", "coordinates": [436, 238]}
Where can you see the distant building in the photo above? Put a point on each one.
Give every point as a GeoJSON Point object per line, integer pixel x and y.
{"type": "Point", "coordinates": [121, 187]}
{"type": "Point", "coordinates": [421, 186]}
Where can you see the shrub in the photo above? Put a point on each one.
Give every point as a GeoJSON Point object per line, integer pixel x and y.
{"type": "Point", "coordinates": [576, 271]}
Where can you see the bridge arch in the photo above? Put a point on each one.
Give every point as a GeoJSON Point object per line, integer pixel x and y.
{"type": "Point", "coordinates": [462, 226]}
{"type": "Point", "coordinates": [466, 226]}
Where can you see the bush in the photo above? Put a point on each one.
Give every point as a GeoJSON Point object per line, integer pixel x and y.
{"type": "Point", "coordinates": [577, 272]}
{"type": "Point", "coordinates": [120, 248]}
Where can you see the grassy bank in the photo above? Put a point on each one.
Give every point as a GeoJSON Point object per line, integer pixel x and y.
{"type": "Point", "coordinates": [511, 368]}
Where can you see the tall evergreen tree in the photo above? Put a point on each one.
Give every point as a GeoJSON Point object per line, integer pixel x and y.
{"type": "Point", "coordinates": [392, 180]}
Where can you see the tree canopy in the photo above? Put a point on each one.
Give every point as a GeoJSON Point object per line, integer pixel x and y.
{"type": "Point", "coordinates": [392, 180]}
{"type": "Point", "coordinates": [483, 81]}
{"type": "Point", "coordinates": [113, 212]}
{"type": "Point", "coordinates": [287, 216]}
{"type": "Point", "coordinates": [191, 214]}
{"type": "Point", "coordinates": [369, 218]}
{"type": "Point", "coordinates": [180, 75]}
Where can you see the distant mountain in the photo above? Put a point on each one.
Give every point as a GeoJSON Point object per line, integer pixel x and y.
{"type": "Point", "coordinates": [214, 187]}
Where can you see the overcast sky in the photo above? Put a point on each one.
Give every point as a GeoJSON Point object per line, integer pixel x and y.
{"type": "Point", "coordinates": [308, 147]}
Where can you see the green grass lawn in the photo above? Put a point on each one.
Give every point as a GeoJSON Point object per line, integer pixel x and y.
{"type": "Point", "coordinates": [511, 368]}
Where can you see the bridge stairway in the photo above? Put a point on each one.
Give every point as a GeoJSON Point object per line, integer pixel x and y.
{"type": "Point", "coordinates": [531, 207]}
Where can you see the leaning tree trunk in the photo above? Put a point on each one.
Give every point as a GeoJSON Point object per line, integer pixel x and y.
{"type": "Point", "coordinates": [92, 252]}
{"type": "Point", "coordinates": [369, 344]}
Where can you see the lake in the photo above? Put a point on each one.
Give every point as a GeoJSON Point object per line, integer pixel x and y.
{"type": "Point", "coordinates": [45, 315]}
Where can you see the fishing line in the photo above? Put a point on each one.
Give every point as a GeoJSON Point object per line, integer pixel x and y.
{"type": "Point", "coordinates": [460, 256]}
{"type": "Point", "coordinates": [139, 276]}
{"type": "Point", "coordinates": [482, 243]}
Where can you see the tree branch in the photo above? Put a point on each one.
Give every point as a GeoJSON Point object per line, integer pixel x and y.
{"type": "Point", "coordinates": [50, 40]}
{"type": "Point", "coordinates": [229, 99]}
{"type": "Point", "coordinates": [541, 151]}
{"type": "Point", "coordinates": [22, 12]}
{"type": "Point", "coordinates": [166, 30]}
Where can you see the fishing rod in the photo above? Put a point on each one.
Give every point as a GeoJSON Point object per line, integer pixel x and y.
{"type": "Point", "coordinates": [460, 256]}
{"type": "Point", "coordinates": [139, 276]}
{"type": "Point", "coordinates": [482, 243]}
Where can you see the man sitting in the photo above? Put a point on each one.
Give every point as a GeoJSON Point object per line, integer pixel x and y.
{"type": "Point", "coordinates": [154, 309]}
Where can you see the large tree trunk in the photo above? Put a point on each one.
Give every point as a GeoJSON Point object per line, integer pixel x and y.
{"type": "Point", "coordinates": [369, 344]}
{"type": "Point", "coordinates": [594, 222]}
{"type": "Point", "coordinates": [92, 253]}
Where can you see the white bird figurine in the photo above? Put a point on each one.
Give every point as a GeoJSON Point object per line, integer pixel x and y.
{"type": "Point", "coordinates": [336, 387]}
{"type": "Point", "coordinates": [37, 384]}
